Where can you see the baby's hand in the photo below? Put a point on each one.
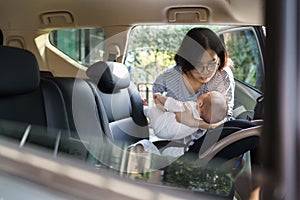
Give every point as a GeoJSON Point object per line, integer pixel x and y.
{"type": "Point", "coordinates": [156, 98]}
{"type": "Point", "coordinates": [145, 102]}
{"type": "Point", "coordinates": [159, 99]}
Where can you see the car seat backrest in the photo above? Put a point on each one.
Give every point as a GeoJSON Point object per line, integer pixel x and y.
{"type": "Point", "coordinates": [85, 115]}
{"type": "Point", "coordinates": [19, 71]}
{"type": "Point", "coordinates": [23, 103]}
{"type": "Point", "coordinates": [121, 100]}
{"type": "Point", "coordinates": [21, 98]}
{"type": "Point", "coordinates": [63, 108]}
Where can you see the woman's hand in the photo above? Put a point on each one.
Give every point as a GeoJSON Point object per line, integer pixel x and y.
{"type": "Point", "coordinates": [217, 124]}
{"type": "Point", "coordinates": [188, 119]}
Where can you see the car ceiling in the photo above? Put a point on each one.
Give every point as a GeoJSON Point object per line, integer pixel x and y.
{"type": "Point", "coordinates": [27, 14]}
{"type": "Point", "coordinates": [24, 21]}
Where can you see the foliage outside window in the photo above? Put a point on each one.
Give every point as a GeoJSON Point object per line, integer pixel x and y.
{"type": "Point", "coordinates": [243, 50]}
{"type": "Point", "coordinates": [190, 174]}
{"type": "Point", "coordinates": [151, 49]}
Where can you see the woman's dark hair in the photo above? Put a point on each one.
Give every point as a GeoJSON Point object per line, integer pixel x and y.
{"type": "Point", "coordinates": [193, 46]}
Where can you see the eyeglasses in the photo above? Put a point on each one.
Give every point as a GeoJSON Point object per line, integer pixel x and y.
{"type": "Point", "coordinates": [210, 66]}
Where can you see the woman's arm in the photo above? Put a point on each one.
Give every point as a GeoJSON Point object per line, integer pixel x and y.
{"type": "Point", "coordinates": [168, 103]}
{"type": "Point", "coordinates": [188, 119]}
{"type": "Point", "coordinates": [165, 125]}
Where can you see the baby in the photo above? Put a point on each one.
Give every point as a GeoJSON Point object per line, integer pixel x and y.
{"type": "Point", "coordinates": [210, 107]}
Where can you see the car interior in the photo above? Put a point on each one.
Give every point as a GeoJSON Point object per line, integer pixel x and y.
{"type": "Point", "coordinates": [75, 76]}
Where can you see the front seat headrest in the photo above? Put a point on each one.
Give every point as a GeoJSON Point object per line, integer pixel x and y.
{"type": "Point", "coordinates": [19, 71]}
{"type": "Point", "coordinates": [109, 76]}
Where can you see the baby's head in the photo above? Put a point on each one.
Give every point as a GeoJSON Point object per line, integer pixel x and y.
{"type": "Point", "coordinates": [212, 107]}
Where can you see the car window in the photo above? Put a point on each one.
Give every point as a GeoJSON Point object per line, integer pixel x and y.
{"type": "Point", "coordinates": [83, 45]}
{"type": "Point", "coordinates": [151, 49]}
{"type": "Point", "coordinates": [243, 49]}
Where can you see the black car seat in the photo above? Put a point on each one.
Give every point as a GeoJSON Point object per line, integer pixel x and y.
{"type": "Point", "coordinates": [228, 141]}
{"type": "Point", "coordinates": [46, 112]}
{"type": "Point", "coordinates": [228, 149]}
{"type": "Point", "coordinates": [122, 102]}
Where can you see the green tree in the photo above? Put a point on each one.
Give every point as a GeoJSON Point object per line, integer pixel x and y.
{"type": "Point", "coordinates": [243, 50]}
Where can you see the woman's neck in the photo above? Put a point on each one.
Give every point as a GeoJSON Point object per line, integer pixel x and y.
{"type": "Point", "coordinates": [191, 83]}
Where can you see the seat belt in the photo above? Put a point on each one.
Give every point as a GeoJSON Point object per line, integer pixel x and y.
{"type": "Point", "coordinates": [103, 120]}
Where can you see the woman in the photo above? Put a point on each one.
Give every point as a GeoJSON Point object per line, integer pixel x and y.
{"type": "Point", "coordinates": [202, 65]}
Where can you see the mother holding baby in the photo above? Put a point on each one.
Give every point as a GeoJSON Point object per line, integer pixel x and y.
{"type": "Point", "coordinates": [202, 65]}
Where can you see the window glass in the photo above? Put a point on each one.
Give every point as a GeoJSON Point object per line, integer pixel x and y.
{"type": "Point", "coordinates": [151, 49]}
{"type": "Point", "coordinates": [83, 45]}
{"type": "Point", "coordinates": [243, 49]}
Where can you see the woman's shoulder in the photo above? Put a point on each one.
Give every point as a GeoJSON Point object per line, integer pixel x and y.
{"type": "Point", "coordinates": [170, 73]}
{"type": "Point", "coordinates": [169, 80]}
{"type": "Point", "coordinates": [221, 80]}
{"type": "Point", "coordinates": [225, 74]}
{"type": "Point", "coordinates": [172, 70]}
{"type": "Point", "coordinates": [227, 70]}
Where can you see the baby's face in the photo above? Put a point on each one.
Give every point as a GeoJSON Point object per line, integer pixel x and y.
{"type": "Point", "coordinates": [212, 106]}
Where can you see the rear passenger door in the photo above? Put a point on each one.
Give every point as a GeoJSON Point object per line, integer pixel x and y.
{"type": "Point", "coordinates": [245, 47]}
